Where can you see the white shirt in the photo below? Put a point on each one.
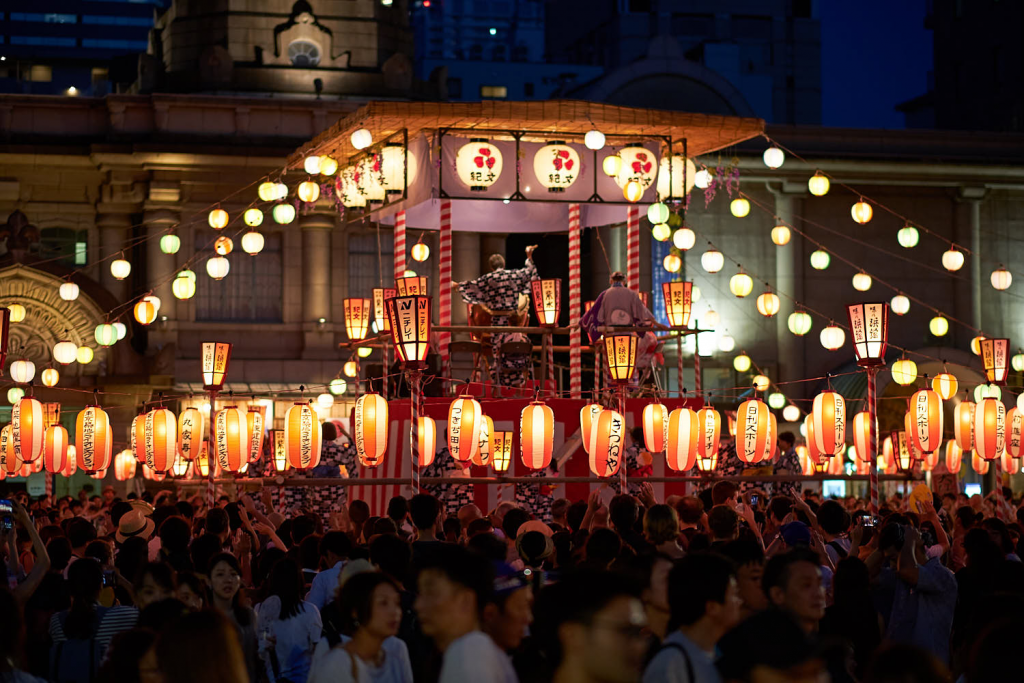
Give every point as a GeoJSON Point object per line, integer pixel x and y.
{"type": "Point", "coordinates": [294, 638]}
{"type": "Point", "coordinates": [670, 664]}
{"type": "Point", "coordinates": [475, 657]}
{"type": "Point", "coordinates": [396, 667]}
{"type": "Point", "coordinates": [334, 665]}
{"type": "Point", "coordinates": [325, 586]}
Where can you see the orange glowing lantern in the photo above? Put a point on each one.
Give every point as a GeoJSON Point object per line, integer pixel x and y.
{"type": "Point", "coordinates": [254, 418]}
{"type": "Point", "coordinates": [954, 454]}
{"type": "Point", "coordinates": [380, 311]}
{"type": "Point", "coordinates": [137, 437]}
{"type": "Point", "coordinates": [231, 438]}
{"type": "Point", "coordinates": [216, 356]}
{"type": "Point", "coordinates": [755, 443]}
{"type": "Point", "coordinates": [926, 419]}
{"type": "Point", "coordinates": [483, 452]}
{"type": "Point", "coordinates": [190, 433]}
{"type": "Point", "coordinates": [979, 464]}
{"type": "Point", "coordinates": [683, 436]}
{"type": "Point", "coordinates": [862, 435]}
{"type": "Point", "coordinates": [302, 437]}
{"type": "Point", "coordinates": [995, 357]}
{"type": "Point", "coordinates": [145, 313]}
{"type": "Point", "coordinates": [412, 285]}
{"type": "Point", "coordinates": [655, 418]}
{"type": "Point", "coordinates": [161, 437]}
{"type": "Point", "coordinates": [280, 453]}
{"type": "Point", "coordinates": [464, 418]}
{"type": "Point", "coordinates": [678, 302]}
{"type": "Point", "coordinates": [620, 352]}
{"type": "Point", "coordinates": [989, 428]}
{"type": "Point", "coordinates": [93, 440]}
{"type": "Point", "coordinates": [357, 318]}
{"type": "Point", "coordinates": [945, 385]}
{"type": "Point", "coordinates": [426, 441]}
{"type": "Point", "coordinates": [55, 449]}
{"type": "Point", "coordinates": [1009, 464]}
{"type": "Point", "coordinates": [588, 416]}
{"type": "Point", "coordinates": [9, 463]}
{"type": "Point", "coordinates": [371, 429]}
{"type": "Point", "coordinates": [812, 445]}
{"type": "Point", "coordinates": [501, 451]}
{"type": "Point", "coordinates": [710, 424]}
{"type": "Point", "coordinates": [606, 443]}
{"type": "Point", "coordinates": [124, 465]}
{"type": "Point", "coordinates": [963, 425]}
{"type": "Point", "coordinates": [1014, 440]}
{"type": "Point", "coordinates": [72, 465]}
{"type": "Point", "coordinates": [410, 328]}
{"type": "Point", "coordinates": [829, 415]}
{"type": "Point", "coordinates": [27, 426]}
{"type": "Point", "coordinates": [869, 327]}
{"type": "Point", "coordinates": [536, 432]}
{"type": "Point", "coordinates": [547, 301]}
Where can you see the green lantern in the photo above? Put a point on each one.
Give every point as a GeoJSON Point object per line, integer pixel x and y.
{"type": "Point", "coordinates": [820, 259]}
{"type": "Point", "coordinates": [170, 243]}
{"type": "Point", "coordinates": [776, 400]}
{"type": "Point", "coordinates": [908, 236]}
{"type": "Point", "coordinates": [106, 334]}
{"type": "Point", "coordinates": [657, 213]}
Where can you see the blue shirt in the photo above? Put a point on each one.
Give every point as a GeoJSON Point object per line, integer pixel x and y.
{"type": "Point", "coordinates": [923, 614]}
{"type": "Point", "coordinates": [669, 665]}
{"type": "Point", "coordinates": [324, 586]}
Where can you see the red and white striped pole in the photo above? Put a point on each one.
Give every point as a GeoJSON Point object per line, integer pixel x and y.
{"type": "Point", "coordinates": [872, 441]}
{"type": "Point", "coordinates": [445, 291]}
{"type": "Point", "coordinates": [696, 363]}
{"type": "Point", "coordinates": [633, 247]}
{"type": "Point", "coordinates": [399, 244]}
{"type": "Point", "coordinates": [575, 364]}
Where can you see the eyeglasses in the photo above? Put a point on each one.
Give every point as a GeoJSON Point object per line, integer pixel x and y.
{"type": "Point", "coordinates": [631, 631]}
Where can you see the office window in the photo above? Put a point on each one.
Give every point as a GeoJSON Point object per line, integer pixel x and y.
{"type": "Point", "coordinates": [251, 292]}
{"type": "Point", "coordinates": [40, 40]}
{"type": "Point", "coordinates": [50, 18]}
{"type": "Point", "coordinates": [141, 45]}
{"type": "Point", "coordinates": [69, 246]}
{"type": "Point", "coordinates": [364, 265]}
{"type": "Point", "coordinates": [105, 20]}
{"type": "Point", "coordinates": [40, 73]}
{"type": "Point", "coordinates": [493, 92]}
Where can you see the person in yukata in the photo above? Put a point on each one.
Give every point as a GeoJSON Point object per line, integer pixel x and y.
{"type": "Point", "coordinates": [498, 294]}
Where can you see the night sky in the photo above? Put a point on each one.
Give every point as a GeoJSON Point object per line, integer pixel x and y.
{"type": "Point", "coordinates": [874, 55]}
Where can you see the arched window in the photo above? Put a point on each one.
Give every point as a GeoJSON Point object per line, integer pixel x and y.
{"type": "Point", "coordinates": [304, 54]}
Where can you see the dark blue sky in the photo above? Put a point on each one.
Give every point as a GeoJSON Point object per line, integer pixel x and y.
{"type": "Point", "coordinates": [874, 55]}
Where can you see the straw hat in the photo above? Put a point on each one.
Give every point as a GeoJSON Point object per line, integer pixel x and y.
{"type": "Point", "coordinates": [134, 523]}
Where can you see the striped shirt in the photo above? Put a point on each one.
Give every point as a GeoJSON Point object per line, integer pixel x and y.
{"type": "Point", "coordinates": [114, 621]}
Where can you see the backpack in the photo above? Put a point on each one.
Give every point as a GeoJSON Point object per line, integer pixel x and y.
{"type": "Point", "coordinates": [673, 646]}
{"type": "Point", "coordinates": [76, 660]}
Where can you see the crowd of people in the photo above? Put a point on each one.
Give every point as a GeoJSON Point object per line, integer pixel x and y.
{"type": "Point", "coordinates": [725, 585]}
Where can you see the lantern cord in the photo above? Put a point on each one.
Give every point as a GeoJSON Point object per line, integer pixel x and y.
{"type": "Point", "coordinates": [607, 261]}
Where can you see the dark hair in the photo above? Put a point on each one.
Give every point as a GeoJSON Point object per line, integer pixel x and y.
{"type": "Point", "coordinates": [117, 511]}
{"type": "Point", "coordinates": [99, 551]}
{"type": "Point", "coordinates": [217, 521]}
{"type": "Point", "coordinates": [723, 521]}
{"type": "Point", "coordinates": [328, 431]}
{"type": "Point", "coordinates": [185, 509]}
{"type": "Point", "coordinates": [355, 599]}
{"type": "Point", "coordinates": [481, 525]}
{"type": "Point", "coordinates": [175, 533]}
{"type": "Point", "coordinates": [852, 583]}
{"type": "Point", "coordinates": [833, 517]}
{"type": "Point", "coordinates": [622, 512]}
{"type": "Point", "coordinates": [891, 536]}
{"type": "Point", "coordinates": [302, 526]}
{"type": "Point", "coordinates": [398, 508]}
{"type": "Point", "coordinates": [779, 507]}
{"type": "Point", "coordinates": [689, 509]}
{"type": "Point", "coordinates": [59, 550]}
{"type": "Point", "coordinates": [488, 545]}
{"type": "Point", "coordinates": [309, 553]}
{"type": "Point", "coordinates": [392, 556]}
{"type": "Point", "coordinates": [132, 557]}
{"type": "Point", "coordinates": [513, 519]}
{"type": "Point", "coordinates": [203, 549]}
{"type": "Point", "coordinates": [161, 574]}
{"type": "Point", "coordinates": [778, 567]}
{"type": "Point", "coordinates": [85, 580]}
{"type": "Point", "coordinates": [560, 507]}
{"type": "Point", "coordinates": [661, 524]}
{"type": "Point", "coordinates": [159, 615]}
{"type": "Point", "coordinates": [80, 532]}
{"type": "Point", "coordinates": [121, 664]}
{"type": "Point", "coordinates": [461, 567]}
{"type": "Point", "coordinates": [998, 527]}
{"type": "Point", "coordinates": [983, 553]}
{"type": "Point", "coordinates": [286, 583]}
{"type": "Point", "coordinates": [358, 511]}
{"type": "Point", "coordinates": [694, 581]}
{"type": "Point", "coordinates": [603, 546]}
{"type": "Point", "coordinates": [336, 542]}
{"type": "Point", "coordinates": [242, 615]}
{"type": "Point", "coordinates": [384, 525]}
{"type": "Point", "coordinates": [743, 551]}
{"type": "Point", "coordinates": [206, 637]}
{"type": "Point", "coordinates": [11, 632]}
{"type": "Point", "coordinates": [195, 584]}
{"type": "Point", "coordinates": [577, 511]}
{"type": "Point", "coordinates": [162, 514]}
{"type": "Point", "coordinates": [723, 491]}
{"type": "Point", "coordinates": [452, 525]}
{"type": "Point", "coordinates": [787, 437]}
{"type": "Point", "coordinates": [424, 508]}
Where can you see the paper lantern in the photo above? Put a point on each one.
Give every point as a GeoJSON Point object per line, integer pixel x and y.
{"type": "Point", "coordinates": [252, 242]}
{"type": "Point", "coordinates": [547, 301]}
{"type": "Point", "coordinates": [761, 382]}
{"type": "Point", "coordinates": [361, 138]}
{"type": "Point", "coordinates": [396, 168]}
{"type": "Point", "coordinates": [739, 207]}
{"type": "Point", "coordinates": [190, 433]}
{"type": "Point", "coordinates": [350, 368]}
{"type": "Point", "coordinates": [638, 165]}
{"type": "Point", "coordinates": [215, 359]}
{"type": "Point", "coordinates": [661, 232]}
{"type": "Point", "coordinates": [231, 438]}
{"type": "Point", "coordinates": [15, 313]}
{"type": "Point", "coordinates": [1009, 464]}
{"type": "Point", "coordinates": [768, 304]}
{"type": "Point", "coordinates": [832, 337]}
{"type": "Point", "coordinates": [791, 413]}
{"type": "Point", "coordinates": [829, 413]}
{"type": "Point", "coordinates": [105, 334]}
{"type": "Point", "coordinates": [27, 427]}
{"type": "Point", "coordinates": [755, 435]}
{"type": "Point", "coordinates": [703, 178]}
{"type": "Point", "coordinates": [218, 267]}
{"type": "Point", "coordinates": [183, 287]}
{"type": "Point", "coordinates": [995, 357]}
{"type": "Point", "coordinates": [120, 268]}
{"type": "Point", "coordinates": [963, 425]}
{"type": "Point", "coordinates": [682, 440]}
{"type": "Point", "coordinates": [10, 464]}
{"type": "Point", "coordinates": [1014, 432]}
{"type": "Point", "coordinates": [15, 394]}
{"type": "Point", "coordinates": [818, 184]}
{"type": "Point", "coordinates": [904, 371]}
{"type": "Point", "coordinates": [979, 464]}
{"type": "Point", "coordinates": [411, 285]}
{"type": "Point", "coordinates": [684, 239]}
{"type": "Point", "coordinates": [137, 437]}
{"type": "Point", "coordinates": [84, 355]}
{"type": "Point", "coordinates": [678, 302]}
{"type": "Point", "coordinates": [409, 318]}
{"type": "Point", "coordinates": [633, 191]}
{"type": "Point", "coordinates": [93, 440]}
{"type": "Point", "coordinates": [976, 345]}
{"type": "Point", "coordinates": [253, 217]}
{"type": "Point", "coordinates": [337, 386]}
{"type": "Point", "coordinates": [945, 385]}
{"type": "Point", "coordinates": [268, 191]}
{"type": "Point", "coordinates": [223, 245]}
{"type": "Point", "coordinates": [145, 312]}
{"type": "Point", "coordinates": [862, 282]}
{"type": "Point", "coordinates": [710, 424]}
{"type": "Point", "coordinates": [726, 343]}
{"type": "Point", "coordinates": [594, 139]}
{"type": "Point", "coordinates": [672, 263]}
{"type": "Point", "coordinates": [201, 465]}
{"type": "Point", "coordinates": [658, 213]}
{"type": "Point", "coordinates": [899, 304]}
{"type": "Point", "coordinates": [953, 260]}
{"type": "Point", "coordinates": [478, 164]}
{"type": "Point", "coordinates": [380, 311]}
{"type": "Point", "coordinates": [218, 219]}
{"type": "Point", "coordinates": [1001, 279]}
{"type": "Point", "coordinates": [953, 456]}
{"type": "Point", "coordinates": [370, 426]}
{"type": "Point", "coordinates": [308, 191]}
{"type": "Point", "coordinates": [324, 402]}
{"type": "Point", "coordinates": [781, 235]}
{"type": "Point", "coordinates": [712, 260]}
{"type": "Point", "coordinates": [357, 318]}
{"type": "Point", "coordinates": [776, 400]}
{"type": "Point", "coordinates": [655, 418]}
{"type": "Point", "coordinates": [820, 259]}
{"type": "Point", "coordinates": [676, 175]}
{"type": "Point", "coordinates": [536, 431]}
{"type": "Point", "coordinates": [556, 165]}
{"type": "Point", "coordinates": [869, 327]}
{"type": "Point", "coordinates": [55, 449]}
{"type": "Point", "coordinates": [862, 435]}
{"type": "Point", "coordinates": [799, 323]}
{"type": "Point", "coordinates": [908, 237]}
{"type": "Point", "coordinates": [1017, 361]}
{"type": "Point", "coordinates": [926, 420]}
{"type": "Point", "coordinates": [426, 441]}
{"type": "Point", "coordinates": [989, 428]}
{"type": "Point", "coordinates": [501, 451]}
{"type": "Point", "coordinates": [620, 353]}
{"type": "Point", "coordinates": [861, 212]}
{"type": "Point", "coordinates": [588, 416]}
{"type": "Point", "coordinates": [65, 352]}
{"type": "Point", "coordinates": [611, 165]}
{"type": "Point", "coordinates": [124, 466]}
{"type": "Point", "coordinates": [741, 284]}
{"type": "Point", "coordinates": [161, 440]}
{"type": "Point", "coordinates": [741, 363]}
{"type": "Point", "coordinates": [50, 377]}
{"type": "Point", "coordinates": [302, 437]}
{"type": "Point", "coordinates": [483, 451]}
{"type": "Point", "coordinates": [283, 213]}
{"type": "Point", "coordinates": [464, 418]}
{"type": "Point", "coordinates": [606, 443]}
{"type": "Point", "coordinates": [938, 326]}
{"type": "Point", "coordinates": [68, 291]}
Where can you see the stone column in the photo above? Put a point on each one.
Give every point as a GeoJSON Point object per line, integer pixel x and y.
{"type": "Point", "coordinates": [974, 196]}
{"type": "Point", "coordinates": [160, 267]}
{"type": "Point", "coordinates": [114, 230]}
{"type": "Point", "coordinates": [465, 257]}
{"type": "Point", "coordinates": [316, 285]}
{"type": "Point", "coordinates": [788, 281]}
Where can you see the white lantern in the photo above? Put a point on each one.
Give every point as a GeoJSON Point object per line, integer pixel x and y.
{"type": "Point", "coordinates": [820, 259]}
{"type": "Point", "coordinates": [308, 191]}
{"type": "Point", "coordinates": [861, 212]}
{"type": "Point", "coordinates": [726, 343]}
{"type": "Point", "coordinates": [348, 186]}
{"type": "Point", "coordinates": [712, 260]}
{"type": "Point", "coordinates": [65, 352]}
{"type": "Point", "coordinates": [818, 185]}
{"type": "Point", "coordinates": [328, 165]}
{"type": "Point", "coordinates": [639, 164]}
{"type": "Point", "coordinates": [862, 282]}
{"type": "Point", "coordinates": [361, 139]}
{"type": "Point", "coordinates": [556, 165]}
{"type": "Point", "coordinates": [120, 268]}
{"type": "Point", "coordinates": [594, 139]}
{"type": "Point", "coordinates": [953, 260]}
{"type": "Point", "coordinates": [283, 213]}
{"type": "Point", "coordinates": [899, 304]}
{"type": "Point", "coordinates": [478, 164]}
{"type": "Point", "coordinates": [711, 319]}
{"type": "Point", "coordinates": [741, 285]}
{"type": "Point", "coordinates": [702, 178]}
{"type": "Point", "coordinates": [253, 217]}
{"type": "Point", "coordinates": [833, 337]}
{"type": "Point", "coordinates": [325, 401]}
{"type": "Point", "coordinates": [791, 413]}
{"type": "Point", "coordinates": [773, 157]}
{"type": "Point", "coordinates": [68, 291]}
{"type": "Point", "coordinates": [267, 191]}
{"type": "Point", "coordinates": [252, 242]}
{"type": "Point", "coordinates": [684, 239]}
{"type": "Point", "coordinates": [218, 267]}
{"type": "Point", "coordinates": [397, 170]}
{"type": "Point", "coordinates": [799, 323]}
{"type": "Point", "coordinates": [1001, 278]}
{"type": "Point", "coordinates": [311, 165]}
{"type": "Point", "coordinates": [781, 235]}
{"type": "Point", "coordinates": [22, 371]}
{"type": "Point", "coordinates": [680, 169]}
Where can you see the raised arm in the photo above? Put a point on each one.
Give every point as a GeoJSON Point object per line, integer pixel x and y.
{"type": "Point", "coordinates": [26, 588]}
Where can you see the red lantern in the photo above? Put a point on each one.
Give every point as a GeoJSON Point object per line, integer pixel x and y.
{"type": "Point", "coordinates": [1014, 442]}
{"type": "Point", "coordinates": [231, 439]}
{"type": "Point", "coordinates": [829, 415]}
{"type": "Point", "coordinates": [989, 428]}
{"type": "Point", "coordinates": [930, 461]}
{"type": "Point", "coordinates": [953, 456]}
{"type": "Point", "coordinates": [72, 465]}
{"type": "Point", "coordinates": [678, 302]}
{"type": "Point", "coordinates": [254, 422]}
{"type": "Point", "coordinates": [55, 449]}
{"type": "Point", "coordinates": [908, 428]}
{"type": "Point", "coordinates": [9, 462]}
{"type": "Point", "coordinates": [190, 433]}
{"type": "Point", "coordinates": [655, 427]}
{"type": "Point", "coordinates": [371, 429]}
{"type": "Point", "coordinates": [711, 431]}
{"type": "Point", "coordinates": [426, 441]}
{"type": "Point", "coordinates": [752, 418]}
{"type": "Point", "coordinates": [161, 435]}
{"type": "Point", "coordinates": [501, 450]}
{"type": "Point", "coordinates": [812, 444]}
{"type": "Point", "coordinates": [606, 444]}
{"type": "Point", "coordinates": [464, 418]}
{"type": "Point", "coordinates": [1009, 464]}
{"type": "Point", "coordinates": [862, 435]}
{"type": "Point", "coordinates": [483, 453]}
{"type": "Point", "coordinates": [774, 427]}
{"type": "Point", "coordinates": [137, 437]}
{"type": "Point", "coordinates": [124, 465]}
{"type": "Point", "coordinates": [926, 418]}
{"type": "Point", "coordinates": [93, 441]}
{"type": "Point", "coordinates": [684, 434]}
{"type": "Point", "coordinates": [536, 431]}
{"type": "Point", "coordinates": [302, 437]}
{"type": "Point", "coordinates": [357, 318]}
{"type": "Point", "coordinates": [979, 464]}
{"type": "Point", "coordinates": [588, 416]}
{"type": "Point", "coordinates": [28, 423]}
{"type": "Point", "coordinates": [547, 301]}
